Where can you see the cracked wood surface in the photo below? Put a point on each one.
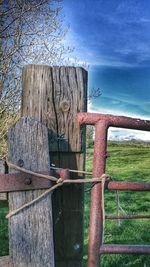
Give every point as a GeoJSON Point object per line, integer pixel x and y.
{"type": "Point", "coordinates": [54, 95]}
{"type": "Point", "coordinates": [31, 230]}
{"type": "Point", "coordinates": [4, 261]}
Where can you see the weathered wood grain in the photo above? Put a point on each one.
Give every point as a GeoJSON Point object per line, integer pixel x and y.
{"type": "Point", "coordinates": [31, 230]}
{"type": "Point", "coordinates": [4, 261]}
{"type": "Point", "coordinates": [54, 95]}
{"type": "Point", "coordinates": [3, 196]}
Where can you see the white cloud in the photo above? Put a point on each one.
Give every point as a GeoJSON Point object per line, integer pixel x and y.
{"type": "Point", "coordinates": [127, 135]}
{"type": "Point", "coordinates": [118, 134]}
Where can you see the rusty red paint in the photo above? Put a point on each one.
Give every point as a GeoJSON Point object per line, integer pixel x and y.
{"type": "Point", "coordinates": [115, 185]}
{"type": "Point", "coordinates": [18, 181]}
{"type": "Point", "coordinates": [102, 123]}
{"type": "Point", "coordinates": [114, 121]}
{"type": "Point", "coordinates": [96, 222]}
{"type": "Point", "coordinates": [125, 249]}
{"type": "Point", "coordinates": [64, 173]}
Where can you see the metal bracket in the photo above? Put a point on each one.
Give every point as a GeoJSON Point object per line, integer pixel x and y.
{"type": "Point", "coordinates": [22, 181]}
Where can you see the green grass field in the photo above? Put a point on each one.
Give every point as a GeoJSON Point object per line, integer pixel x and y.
{"type": "Point", "coordinates": [130, 162]}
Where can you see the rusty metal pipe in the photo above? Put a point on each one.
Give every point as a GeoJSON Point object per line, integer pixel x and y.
{"type": "Point", "coordinates": [96, 213]}
{"type": "Point", "coordinates": [114, 121]}
{"type": "Point", "coordinates": [123, 217]}
{"type": "Point", "coordinates": [125, 249]}
{"type": "Point", "coordinates": [115, 185]}
{"type": "Point", "coordinates": [102, 122]}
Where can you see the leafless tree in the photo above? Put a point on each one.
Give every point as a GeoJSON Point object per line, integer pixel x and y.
{"type": "Point", "coordinates": [31, 31]}
{"type": "Point", "coordinates": [94, 93]}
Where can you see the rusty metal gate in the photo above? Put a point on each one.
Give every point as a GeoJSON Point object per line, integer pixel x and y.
{"type": "Point", "coordinates": [102, 123]}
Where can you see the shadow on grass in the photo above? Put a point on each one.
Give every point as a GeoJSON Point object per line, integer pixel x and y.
{"type": "Point", "coordinates": [4, 246]}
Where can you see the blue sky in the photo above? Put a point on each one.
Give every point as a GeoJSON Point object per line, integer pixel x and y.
{"type": "Point", "coordinates": [113, 38]}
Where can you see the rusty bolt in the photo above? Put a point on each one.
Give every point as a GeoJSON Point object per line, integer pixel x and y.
{"type": "Point", "coordinates": [77, 247]}
{"type": "Point", "coordinates": [20, 163]}
{"type": "Point", "coordinates": [28, 181]}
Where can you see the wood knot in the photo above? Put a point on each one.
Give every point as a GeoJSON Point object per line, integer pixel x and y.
{"type": "Point", "coordinates": [64, 105]}
{"type": "Point", "coordinates": [20, 163]}
{"type": "Point", "coordinates": [28, 181]}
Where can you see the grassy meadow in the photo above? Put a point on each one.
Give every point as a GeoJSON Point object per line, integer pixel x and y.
{"type": "Point", "coordinates": [127, 161]}
{"type": "Point", "coordinates": [130, 162]}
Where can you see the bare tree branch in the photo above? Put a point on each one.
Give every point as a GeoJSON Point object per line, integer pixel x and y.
{"type": "Point", "coordinates": [31, 32]}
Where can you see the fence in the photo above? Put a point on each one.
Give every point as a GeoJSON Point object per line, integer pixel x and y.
{"type": "Point", "coordinates": [20, 182]}
{"type": "Point", "coordinates": [52, 97]}
{"type": "Point", "coordinates": [96, 246]}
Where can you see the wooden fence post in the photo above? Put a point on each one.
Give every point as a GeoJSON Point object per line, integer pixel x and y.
{"type": "Point", "coordinates": [31, 230]}
{"type": "Point", "coordinates": [54, 95]}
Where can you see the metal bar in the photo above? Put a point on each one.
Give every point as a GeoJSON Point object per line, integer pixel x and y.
{"type": "Point", "coordinates": [122, 217]}
{"type": "Point", "coordinates": [96, 212]}
{"type": "Point", "coordinates": [102, 122]}
{"type": "Point", "coordinates": [125, 249]}
{"type": "Point", "coordinates": [22, 181]}
{"type": "Point", "coordinates": [114, 121]}
{"type": "Point", "coordinates": [115, 185]}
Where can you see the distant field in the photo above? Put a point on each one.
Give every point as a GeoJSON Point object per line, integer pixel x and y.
{"type": "Point", "coordinates": [126, 162]}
